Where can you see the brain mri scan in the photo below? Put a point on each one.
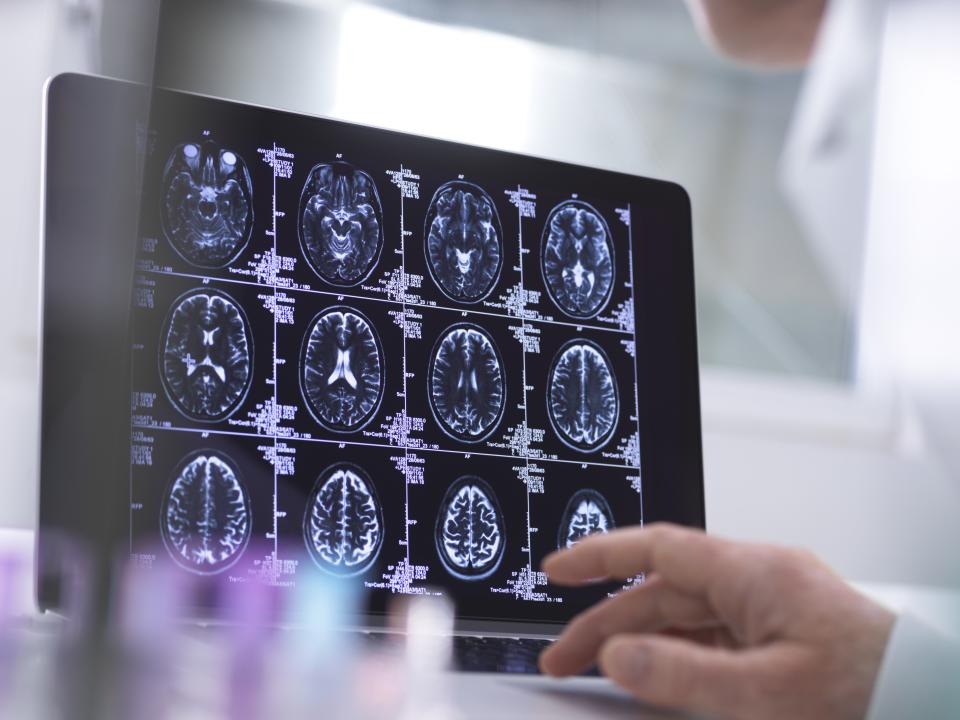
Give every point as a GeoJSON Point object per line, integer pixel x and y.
{"type": "Point", "coordinates": [342, 373]}
{"type": "Point", "coordinates": [587, 513]}
{"type": "Point", "coordinates": [206, 355]}
{"type": "Point", "coordinates": [341, 223]}
{"type": "Point", "coordinates": [343, 525]}
{"type": "Point", "coordinates": [463, 246]}
{"type": "Point", "coordinates": [582, 400]}
{"type": "Point", "coordinates": [470, 530]}
{"type": "Point", "coordinates": [206, 210]}
{"type": "Point", "coordinates": [206, 518]}
{"type": "Point", "coordinates": [466, 383]}
{"type": "Point", "coordinates": [577, 259]}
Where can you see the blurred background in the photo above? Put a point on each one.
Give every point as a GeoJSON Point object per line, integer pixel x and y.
{"type": "Point", "coordinates": [811, 435]}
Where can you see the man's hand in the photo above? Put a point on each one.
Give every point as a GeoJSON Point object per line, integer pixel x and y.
{"type": "Point", "coordinates": [721, 628]}
{"type": "Point", "coordinates": [775, 33]}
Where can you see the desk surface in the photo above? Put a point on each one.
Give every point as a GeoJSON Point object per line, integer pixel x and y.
{"type": "Point", "coordinates": [475, 695]}
{"type": "Point", "coordinates": [521, 697]}
{"type": "Point", "coordinates": [470, 695]}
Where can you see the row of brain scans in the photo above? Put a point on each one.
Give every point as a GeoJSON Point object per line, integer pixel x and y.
{"type": "Point", "coordinates": [207, 215]}
{"type": "Point", "coordinates": [206, 520]}
{"type": "Point", "coordinates": [206, 360]}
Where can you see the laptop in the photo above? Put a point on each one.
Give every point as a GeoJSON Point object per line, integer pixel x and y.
{"type": "Point", "coordinates": [277, 346]}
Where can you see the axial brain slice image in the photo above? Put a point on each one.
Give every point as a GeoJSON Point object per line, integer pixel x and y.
{"type": "Point", "coordinates": [466, 383]}
{"type": "Point", "coordinates": [341, 223]}
{"type": "Point", "coordinates": [206, 355]}
{"type": "Point", "coordinates": [587, 513]}
{"type": "Point", "coordinates": [343, 527]}
{"type": "Point", "coordinates": [463, 245]}
{"type": "Point", "coordinates": [206, 210]}
{"type": "Point", "coordinates": [206, 518]}
{"type": "Point", "coordinates": [470, 531]}
{"type": "Point", "coordinates": [342, 369]}
{"type": "Point", "coordinates": [582, 399]}
{"type": "Point", "coordinates": [577, 259]}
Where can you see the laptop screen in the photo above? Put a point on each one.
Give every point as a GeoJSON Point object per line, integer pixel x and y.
{"type": "Point", "coordinates": [411, 365]}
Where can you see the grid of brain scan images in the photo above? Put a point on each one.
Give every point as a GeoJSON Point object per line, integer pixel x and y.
{"type": "Point", "coordinates": [409, 374]}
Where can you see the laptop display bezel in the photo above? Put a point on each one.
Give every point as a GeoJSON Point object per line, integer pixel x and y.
{"type": "Point", "coordinates": [665, 312]}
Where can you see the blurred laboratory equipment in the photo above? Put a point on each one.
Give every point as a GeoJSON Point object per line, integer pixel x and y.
{"type": "Point", "coordinates": [181, 645]}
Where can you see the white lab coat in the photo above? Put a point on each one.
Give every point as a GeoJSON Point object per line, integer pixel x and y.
{"type": "Point", "coordinates": [920, 674]}
{"type": "Point", "coordinates": [873, 166]}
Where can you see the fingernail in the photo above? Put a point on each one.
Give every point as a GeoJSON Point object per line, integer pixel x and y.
{"type": "Point", "coordinates": [626, 658]}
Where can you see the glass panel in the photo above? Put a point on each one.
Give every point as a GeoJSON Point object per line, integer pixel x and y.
{"type": "Point", "coordinates": [618, 84]}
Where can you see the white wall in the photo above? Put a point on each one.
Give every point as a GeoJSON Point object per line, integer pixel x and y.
{"type": "Point", "coordinates": [26, 40]}
{"type": "Point", "coordinates": [872, 515]}
{"type": "Point", "coordinates": [845, 475]}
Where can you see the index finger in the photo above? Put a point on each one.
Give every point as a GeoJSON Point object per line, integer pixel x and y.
{"type": "Point", "coordinates": [690, 560]}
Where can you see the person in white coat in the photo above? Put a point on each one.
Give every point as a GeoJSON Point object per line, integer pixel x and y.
{"type": "Point", "coordinates": [729, 629]}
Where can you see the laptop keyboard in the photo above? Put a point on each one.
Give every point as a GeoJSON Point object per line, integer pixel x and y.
{"type": "Point", "coordinates": [497, 654]}
{"type": "Point", "coordinates": [494, 654]}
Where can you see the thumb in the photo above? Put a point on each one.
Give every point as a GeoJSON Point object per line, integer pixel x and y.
{"type": "Point", "coordinates": [676, 673]}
